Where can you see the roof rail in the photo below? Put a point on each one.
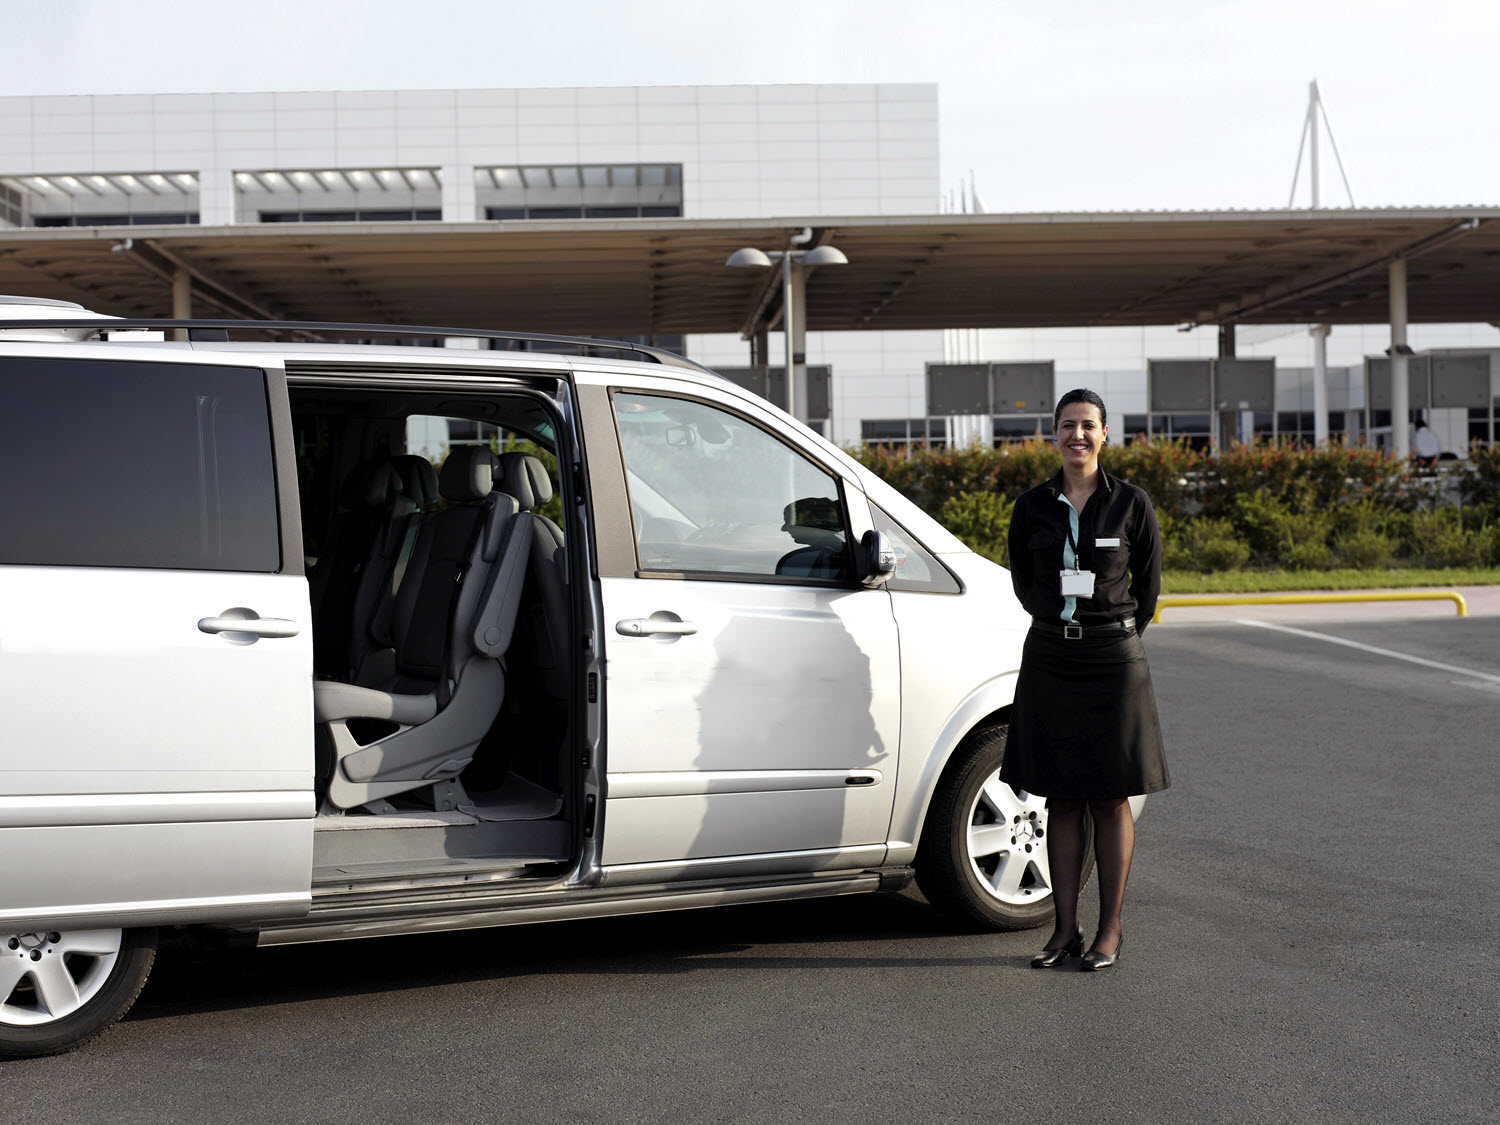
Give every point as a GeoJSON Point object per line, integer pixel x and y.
{"type": "Point", "coordinates": [657, 355]}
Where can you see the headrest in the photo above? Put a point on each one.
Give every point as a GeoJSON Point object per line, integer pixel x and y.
{"type": "Point", "coordinates": [419, 480]}
{"type": "Point", "coordinates": [369, 485]}
{"type": "Point", "coordinates": [468, 473]}
{"type": "Point", "coordinates": [525, 477]}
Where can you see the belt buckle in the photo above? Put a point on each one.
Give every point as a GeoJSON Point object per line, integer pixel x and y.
{"type": "Point", "coordinates": [1073, 632]}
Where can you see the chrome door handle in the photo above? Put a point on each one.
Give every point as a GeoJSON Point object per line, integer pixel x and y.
{"type": "Point", "coordinates": [654, 626]}
{"type": "Point", "coordinates": [245, 626]}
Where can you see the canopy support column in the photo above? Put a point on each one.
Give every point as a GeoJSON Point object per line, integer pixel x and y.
{"type": "Point", "coordinates": [182, 299]}
{"type": "Point", "coordinates": [1400, 391]}
{"type": "Point", "coordinates": [1320, 383]}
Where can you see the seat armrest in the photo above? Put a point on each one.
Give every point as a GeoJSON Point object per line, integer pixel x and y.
{"type": "Point", "coordinates": [333, 701]}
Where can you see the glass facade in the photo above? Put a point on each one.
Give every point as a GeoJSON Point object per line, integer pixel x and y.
{"type": "Point", "coordinates": [905, 432]}
{"type": "Point", "coordinates": [373, 215]}
{"type": "Point", "coordinates": [1021, 427]}
{"type": "Point", "coordinates": [117, 220]}
{"type": "Point", "coordinates": [639, 211]}
{"type": "Point", "coordinates": [99, 199]}
{"type": "Point", "coordinates": [579, 191]}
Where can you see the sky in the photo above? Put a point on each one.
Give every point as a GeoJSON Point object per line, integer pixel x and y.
{"type": "Point", "coordinates": [1062, 105]}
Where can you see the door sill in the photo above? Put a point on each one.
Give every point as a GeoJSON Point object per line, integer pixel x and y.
{"type": "Point", "coordinates": [338, 917]}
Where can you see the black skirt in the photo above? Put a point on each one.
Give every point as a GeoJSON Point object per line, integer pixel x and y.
{"type": "Point", "coordinates": [1084, 723]}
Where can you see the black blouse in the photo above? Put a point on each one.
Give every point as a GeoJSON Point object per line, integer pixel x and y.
{"type": "Point", "coordinates": [1127, 577]}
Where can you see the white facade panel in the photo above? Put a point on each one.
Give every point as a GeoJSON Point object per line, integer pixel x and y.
{"type": "Point", "coordinates": [791, 152]}
{"type": "Point", "coordinates": [173, 123]}
{"type": "Point", "coordinates": [546, 98]}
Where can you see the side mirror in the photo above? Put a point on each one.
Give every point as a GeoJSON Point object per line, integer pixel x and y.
{"type": "Point", "coordinates": [879, 558]}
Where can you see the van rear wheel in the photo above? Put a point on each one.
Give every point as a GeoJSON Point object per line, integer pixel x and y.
{"type": "Point", "coordinates": [983, 854]}
{"type": "Point", "coordinates": [60, 988]}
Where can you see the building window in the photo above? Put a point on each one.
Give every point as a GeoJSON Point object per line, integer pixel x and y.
{"type": "Point", "coordinates": [339, 195]}
{"type": "Point", "coordinates": [10, 206]}
{"type": "Point", "coordinates": [383, 215]}
{"type": "Point", "coordinates": [582, 212]}
{"type": "Point", "coordinates": [114, 220]}
{"type": "Point", "coordinates": [1132, 429]}
{"type": "Point", "coordinates": [1193, 428]}
{"type": "Point", "coordinates": [1008, 428]}
{"type": "Point", "coordinates": [905, 433]}
{"type": "Point", "coordinates": [579, 191]}
{"type": "Point", "coordinates": [99, 199]}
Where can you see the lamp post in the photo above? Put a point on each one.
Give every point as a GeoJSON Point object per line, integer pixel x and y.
{"type": "Point", "coordinates": [794, 265]}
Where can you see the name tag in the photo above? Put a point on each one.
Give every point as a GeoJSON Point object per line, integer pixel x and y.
{"type": "Point", "coordinates": [1115, 542]}
{"type": "Point", "coordinates": [1077, 583]}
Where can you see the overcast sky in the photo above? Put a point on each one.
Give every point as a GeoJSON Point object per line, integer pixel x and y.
{"type": "Point", "coordinates": [1056, 106]}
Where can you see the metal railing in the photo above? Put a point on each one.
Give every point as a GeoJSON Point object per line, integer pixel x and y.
{"type": "Point", "coordinates": [1172, 600]}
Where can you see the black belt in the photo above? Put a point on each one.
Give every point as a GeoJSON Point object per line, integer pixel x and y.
{"type": "Point", "coordinates": [1121, 628]}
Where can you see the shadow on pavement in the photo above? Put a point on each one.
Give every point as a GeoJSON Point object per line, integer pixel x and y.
{"type": "Point", "coordinates": [192, 977]}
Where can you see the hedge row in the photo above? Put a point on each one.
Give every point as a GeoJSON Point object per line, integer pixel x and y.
{"type": "Point", "coordinates": [1265, 505]}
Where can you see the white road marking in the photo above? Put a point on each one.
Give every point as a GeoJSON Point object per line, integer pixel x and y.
{"type": "Point", "coordinates": [1441, 667]}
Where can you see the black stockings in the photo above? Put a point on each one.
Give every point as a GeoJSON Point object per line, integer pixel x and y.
{"type": "Point", "coordinates": [1114, 843]}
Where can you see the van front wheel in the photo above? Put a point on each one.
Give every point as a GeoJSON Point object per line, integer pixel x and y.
{"type": "Point", "coordinates": [983, 854]}
{"type": "Point", "coordinates": [59, 989]}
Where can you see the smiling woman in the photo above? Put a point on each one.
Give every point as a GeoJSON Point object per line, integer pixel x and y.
{"type": "Point", "coordinates": [1085, 558]}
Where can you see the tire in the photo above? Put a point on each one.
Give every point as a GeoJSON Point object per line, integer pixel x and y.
{"type": "Point", "coordinates": [969, 865]}
{"type": "Point", "coordinates": [58, 990]}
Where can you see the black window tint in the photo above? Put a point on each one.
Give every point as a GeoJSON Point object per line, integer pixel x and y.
{"type": "Point", "coordinates": [916, 568]}
{"type": "Point", "coordinates": [137, 465]}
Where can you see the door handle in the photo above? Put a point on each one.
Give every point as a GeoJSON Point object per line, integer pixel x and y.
{"type": "Point", "coordinates": [655, 626]}
{"type": "Point", "coordinates": [241, 626]}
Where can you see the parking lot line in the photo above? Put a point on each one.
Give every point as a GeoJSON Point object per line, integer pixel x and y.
{"type": "Point", "coordinates": [1486, 676]}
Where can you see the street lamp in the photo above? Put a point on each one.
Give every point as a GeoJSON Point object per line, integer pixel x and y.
{"type": "Point", "coordinates": [794, 264]}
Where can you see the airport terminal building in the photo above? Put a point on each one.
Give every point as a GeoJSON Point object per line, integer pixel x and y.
{"type": "Point", "coordinates": [485, 162]}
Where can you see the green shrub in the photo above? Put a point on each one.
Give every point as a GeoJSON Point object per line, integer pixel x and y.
{"type": "Point", "coordinates": [1481, 477]}
{"type": "Point", "coordinates": [981, 520]}
{"type": "Point", "coordinates": [1364, 549]}
{"type": "Point", "coordinates": [1224, 552]}
{"type": "Point", "coordinates": [1363, 516]}
{"type": "Point", "coordinates": [1284, 505]}
{"type": "Point", "coordinates": [1203, 545]}
{"type": "Point", "coordinates": [1310, 555]}
{"type": "Point", "coordinates": [1278, 534]}
{"type": "Point", "coordinates": [1439, 538]}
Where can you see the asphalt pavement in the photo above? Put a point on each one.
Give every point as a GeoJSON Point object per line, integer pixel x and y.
{"type": "Point", "coordinates": [1310, 937]}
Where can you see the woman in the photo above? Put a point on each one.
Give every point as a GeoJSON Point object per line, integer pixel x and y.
{"type": "Point", "coordinates": [1085, 557]}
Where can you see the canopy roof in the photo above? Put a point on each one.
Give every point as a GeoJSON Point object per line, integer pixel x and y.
{"type": "Point", "coordinates": [639, 276]}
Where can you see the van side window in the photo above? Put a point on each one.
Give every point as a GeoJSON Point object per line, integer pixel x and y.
{"type": "Point", "coordinates": [156, 465]}
{"type": "Point", "coordinates": [710, 492]}
{"type": "Point", "coordinates": [917, 569]}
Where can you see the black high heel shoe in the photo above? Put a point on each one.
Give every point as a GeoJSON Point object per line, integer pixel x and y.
{"type": "Point", "coordinates": [1093, 962]}
{"type": "Point", "coordinates": [1051, 958]}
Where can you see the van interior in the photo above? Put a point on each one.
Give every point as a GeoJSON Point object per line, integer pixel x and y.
{"type": "Point", "coordinates": [443, 605]}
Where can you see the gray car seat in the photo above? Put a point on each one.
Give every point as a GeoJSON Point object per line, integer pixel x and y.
{"type": "Point", "coordinates": [544, 629]}
{"type": "Point", "coordinates": [368, 496]}
{"type": "Point", "coordinates": [450, 627]}
{"type": "Point", "coordinates": [371, 659]}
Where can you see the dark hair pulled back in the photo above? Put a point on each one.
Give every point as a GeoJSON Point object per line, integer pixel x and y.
{"type": "Point", "coordinates": [1080, 394]}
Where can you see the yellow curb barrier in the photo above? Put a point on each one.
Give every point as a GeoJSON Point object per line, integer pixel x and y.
{"type": "Point", "coordinates": [1172, 600]}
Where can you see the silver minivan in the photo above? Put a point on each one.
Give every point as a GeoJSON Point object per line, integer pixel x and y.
{"type": "Point", "coordinates": [309, 640]}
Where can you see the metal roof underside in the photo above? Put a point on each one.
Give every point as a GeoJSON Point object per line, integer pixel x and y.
{"type": "Point", "coordinates": [599, 277]}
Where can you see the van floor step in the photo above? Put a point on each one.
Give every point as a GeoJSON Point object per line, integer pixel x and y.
{"type": "Point", "coordinates": [445, 869]}
{"type": "Point", "coordinates": [415, 818]}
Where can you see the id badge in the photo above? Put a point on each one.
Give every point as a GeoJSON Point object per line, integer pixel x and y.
{"type": "Point", "coordinates": [1077, 583]}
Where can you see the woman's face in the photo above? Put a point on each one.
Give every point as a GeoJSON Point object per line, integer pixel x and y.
{"type": "Point", "coordinates": [1080, 435]}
